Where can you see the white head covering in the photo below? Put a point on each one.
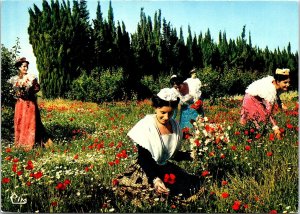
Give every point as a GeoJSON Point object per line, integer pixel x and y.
{"type": "Point", "coordinates": [168, 94]}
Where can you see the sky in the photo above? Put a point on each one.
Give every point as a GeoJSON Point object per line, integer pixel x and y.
{"type": "Point", "coordinates": [271, 23]}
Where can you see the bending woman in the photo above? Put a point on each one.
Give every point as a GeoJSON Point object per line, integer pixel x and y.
{"type": "Point", "coordinates": [187, 99]}
{"type": "Point", "coordinates": [158, 139]}
{"type": "Point", "coordinates": [260, 98]}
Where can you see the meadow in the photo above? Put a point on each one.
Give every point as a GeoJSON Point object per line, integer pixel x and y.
{"type": "Point", "coordinates": [244, 170]}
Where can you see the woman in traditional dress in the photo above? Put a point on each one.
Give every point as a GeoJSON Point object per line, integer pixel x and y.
{"type": "Point", "coordinates": [27, 121]}
{"type": "Point", "coordinates": [189, 94]}
{"type": "Point", "coordinates": [260, 98]}
{"type": "Point", "coordinates": [158, 139]}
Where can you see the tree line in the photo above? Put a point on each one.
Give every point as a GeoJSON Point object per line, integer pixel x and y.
{"type": "Point", "coordinates": [70, 50]}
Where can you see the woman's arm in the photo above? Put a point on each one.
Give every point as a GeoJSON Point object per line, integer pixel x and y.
{"type": "Point", "coordinates": [182, 155]}
{"type": "Point", "coordinates": [152, 170]}
{"type": "Point", "coordinates": [148, 164]}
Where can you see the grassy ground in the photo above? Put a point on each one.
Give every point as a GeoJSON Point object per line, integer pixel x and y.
{"type": "Point", "coordinates": [249, 171]}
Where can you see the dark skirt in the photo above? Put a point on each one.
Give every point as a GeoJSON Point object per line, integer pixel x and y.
{"type": "Point", "coordinates": [133, 184]}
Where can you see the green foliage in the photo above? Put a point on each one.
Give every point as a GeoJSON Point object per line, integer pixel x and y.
{"type": "Point", "coordinates": [65, 44]}
{"type": "Point", "coordinates": [155, 85]}
{"type": "Point", "coordinates": [8, 69]}
{"type": "Point", "coordinates": [106, 86]}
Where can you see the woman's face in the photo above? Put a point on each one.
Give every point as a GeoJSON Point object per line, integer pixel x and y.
{"type": "Point", "coordinates": [163, 114]}
{"type": "Point", "coordinates": [283, 85]}
{"type": "Point", "coordinates": [23, 68]}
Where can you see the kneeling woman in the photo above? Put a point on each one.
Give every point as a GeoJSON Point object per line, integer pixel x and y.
{"type": "Point", "coordinates": [158, 138]}
{"type": "Point", "coordinates": [260, 98]}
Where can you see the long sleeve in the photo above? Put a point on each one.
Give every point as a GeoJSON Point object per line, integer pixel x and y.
{"type": "Point", "coordinates": [148, 164]}
{"type": "Point", "coordinates": [269, 108]}
{"type": "Point", "coordinates": [181, 155]}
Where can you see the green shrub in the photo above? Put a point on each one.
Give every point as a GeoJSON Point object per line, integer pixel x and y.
{"type": "Point", "coordinates": [108, 86]}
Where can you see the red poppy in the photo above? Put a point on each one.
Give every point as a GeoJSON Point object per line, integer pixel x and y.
{"type": "Point", "coordinates": [169, 178]}
{"type": "Point", "coordinates": [15, 160]}
{"type": "Point", "coordinates": [60, 186]}
{"type": "Point", "coordinates": [273, 212]}
{"type": "Point", "coordinates": [246, 132]}
{"type": "Point", "coordinates": [247, 148]}
{"type": "Point", "coordinates": [197, 142]}
{"type": "Point", "coordinates": [38, 175]}
{"type": "Point", "coordinates": [225, 195]}
{"type": "Point", "coordinates": [272, 137]}
{"type": "Point", "coordinates": [222, 156]}
{"type": "Point", "coordinates": [224, 183]}
{"type": "Point", "coordinates": [115, 182]}
{"type": "Point", "coordinates": [205, 173]}
{"type": "Point", "coordinates": [173, 206]}
{"type": "Point", "coordinates": [5, 180]}
{"type": "Point", "coordinates": [233, 148]}
{"type": "Point", "coordinates": [289, 126]}
{"type": "Point", "coordinates": [28, 183]}
{"type": "Point", "coordinates": [258, 136]}
{"type": "Point", "coordinates": [211, 154]}
{"type": "Point", "coordinates": [269, 154]}
{"type": "Point", "coordinates": [76, 157]}
{"type": "Point", "coordinates": [29, 165]}
{"type": "Point", "coordinates": [67, 182]}
{"type": "Point", "coordinates": [54, 203]}
{"type": "Point", "coordinates": [236, 205]}
{"type": "Point", "coordinates": [14, 167]}
{"type": "Point", "coordinates": [237, 133]}
{"type": "Point", "coordinates": [196, 105]}
{"type": "Point", "coordinates": [8, 150]}
{"type": "Point", "coordinates": [19, 173]}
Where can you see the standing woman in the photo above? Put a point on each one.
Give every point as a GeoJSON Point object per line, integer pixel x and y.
{"type": "Point", "coordinates": [260, 98]}
{"type": "Point", "coordinates": [158, 139]}
{"type": "Point", "coordinates": [27, 121]}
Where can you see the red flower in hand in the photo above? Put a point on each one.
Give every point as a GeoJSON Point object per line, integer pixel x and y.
{"type": "Point", "coordinates": [196, 105]}
{"type": "Point", "coordinates": [169, 178]}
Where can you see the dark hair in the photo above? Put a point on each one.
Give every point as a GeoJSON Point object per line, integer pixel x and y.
{"type": "Point", "coordinates": [20, 61]}
{"type": "Point", "coordinates": [176, 80]}
{"type": "Point", "coordinates": [158, 102]}
{"type": "Point", "coordinates": [281, 77]}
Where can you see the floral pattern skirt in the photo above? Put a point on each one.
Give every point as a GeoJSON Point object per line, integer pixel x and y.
{"type": "Point", "coordinates": [253, 110]}
{"type": "Point", "coordinates": [133, 185]}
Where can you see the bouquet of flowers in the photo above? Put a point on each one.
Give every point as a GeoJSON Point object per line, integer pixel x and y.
{"type": "Point", "coordinates": [21, 86]}
{"type": "Point", "coordinates": [209, 140]}
{"type": "Point", "coordinates": [196, 105]}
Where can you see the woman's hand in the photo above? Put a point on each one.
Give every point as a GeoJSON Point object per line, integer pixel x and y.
{"type": "Point", "coordinates": [160, 187]}
{"type": "Point", "coordinates": [278, 133]}
{"type": "Point", "coordinates": [284, 107]}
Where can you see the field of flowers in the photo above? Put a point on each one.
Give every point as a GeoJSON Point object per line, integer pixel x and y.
{"type": "Point", "coordinates": [244, 170]}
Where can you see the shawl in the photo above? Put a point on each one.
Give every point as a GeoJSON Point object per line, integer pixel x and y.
{"type": "Point", "coordinates": [146, 134]}
{"type": "Point", "coordinates": [263, 88]}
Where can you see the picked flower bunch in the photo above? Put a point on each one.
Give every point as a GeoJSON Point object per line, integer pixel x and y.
{"type": "Point", "coordinates": [209, 140]}
{"type": "Point", "coordinates": [21, 86]}
{"type": "Point", "coordinates": [197, 105]}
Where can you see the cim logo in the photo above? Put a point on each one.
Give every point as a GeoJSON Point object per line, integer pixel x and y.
{"type": "Point", "coordinates": [15, 199]}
